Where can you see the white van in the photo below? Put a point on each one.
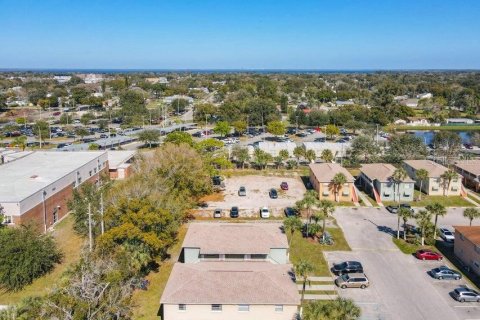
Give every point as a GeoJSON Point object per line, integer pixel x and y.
{"type": "Point", "coordinates": [264, 213]}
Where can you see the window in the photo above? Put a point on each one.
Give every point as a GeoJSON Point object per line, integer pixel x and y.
{"type": "Point", "coordinates": [345, 192]}
{"type": "Point", "coordinates": [279, 308]}
{"type": "Point", "coordinates": [55, 215]}
{"type": "Point", "coordinates": [216, 307]}
{"type": "Point", "coordinates": [258, 256]}
{"type": "Point", "coordinates": [235, 256]}
{"type": "Point", "coordinates": [461, 237]}
{"type": "Point", "coordinates": [79, 180]}
{"type": "Point", "coordinates": [325, 192]}
{"type": "Point", "coordinates": [243, 307]}
{"type": "Point", "coordinates": [454, 189]}
{"type": "Point", "coordinates": [90, 173]}
{"type": "Point", "coordinates": [407, 186]}
{"type": "Point", "coordinates": [7, 219]}
{"type": "Point", "coordinates": [182, 307]}
{"type": "Point", "coordinates": [210, 256]}
{"type": "Point", "coordinates": [434, 188]}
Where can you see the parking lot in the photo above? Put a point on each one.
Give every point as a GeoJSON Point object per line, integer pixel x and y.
{"type": "Point", "coordinates": [400, 286]}
{"type": "Point", "coordinates": [257, 194]}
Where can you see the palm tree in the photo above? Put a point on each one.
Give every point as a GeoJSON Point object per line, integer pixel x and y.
{"type": "Point", "coordinates": [303, 269]}
{"type": "Point", "coordinates": [241, 155]}
{"type": "Point", "coordinates": [327, 155]}
{"type": "Point", "coordinates": [299, 152]}
{"type": "Point", "coordinates": [310, 155]}
{"type": "Point", "coordinates": [310, 199]}
{"type": "Point", "coordinates": [471, 213]}
{"type": "Point", "coordinates": [338, 181]}
{"type": "Point", "coordinates": [447, 178]}
{"type": "Point", "coordinates": [284, 154]}
{"type": "Point", "coordinates": [338, 309]}
{"type": "Point", "coordinates": [423, 218]}
{"type": "Point", "coordinates": [436, 209]}
{"type": "Point", "coordinates": [405, 214]}
{"type": "Point", "coordinates": [421, 175]}
{"type": "Point", "coordinates": [397, 177]}
{"type": "Point", "coordinates": [291, 225]}
{"type": "Point", "coordinates": [326, 208]}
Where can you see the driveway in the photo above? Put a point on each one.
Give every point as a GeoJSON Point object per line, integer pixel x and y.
{"type": "Point", "coordinates": [400, 286]}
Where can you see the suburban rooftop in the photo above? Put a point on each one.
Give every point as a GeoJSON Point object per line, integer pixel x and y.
{"type": "Point", "coordinates": [324, 172]}
{"type": "Point", "coordinates": [472, 166]}
{"type": "Point", "coordinates": [231, 283]}
{"type": "Point", "coordinates": [434, 169]}
{"type": "Point", "coordinates": [237, 238]}
{"type": "Point", "coordinates": [118, 158]}
{"type": "Point", "coordinates": [23, 177]}
{"type": "Point", "coordinates": [380, 171]}
{"type": "Point", "coordinates": [472, 233]}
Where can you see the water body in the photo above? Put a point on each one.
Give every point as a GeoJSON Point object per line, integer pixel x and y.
{"type": "Point", "coordinates": [428, 136]}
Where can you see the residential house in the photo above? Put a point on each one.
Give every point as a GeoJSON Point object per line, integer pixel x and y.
{"type": "Point", "coordinates": [231, 271]}
{"type": "Point", "coordinates": [460, 121]}
{"type": "Point", "coordinates": [434, 185]}
{"type": "Point", "coordinates": [467, 246]}
{"type": "Point", "coordinates": [376, 180]}
{"type": "Point", "coordinates": [321, 176]}
{"type": "Point", "coordinates": [470, 171]}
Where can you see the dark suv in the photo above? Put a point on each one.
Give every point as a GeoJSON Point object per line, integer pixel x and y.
{"type": "Point", "coordinates": [234, 212]}
{"type": "Point", "coordinates": [347, 267]}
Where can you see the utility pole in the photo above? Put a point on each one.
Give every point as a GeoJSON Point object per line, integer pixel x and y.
{"type": "Point", "coordinates": [377, 134]}
{"type": "Point", "coordinates": [90, 237]}
{"type": "Point", "coordinates": [102, 226]}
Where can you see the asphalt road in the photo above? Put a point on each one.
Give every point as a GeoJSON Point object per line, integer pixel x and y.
{"type": "Point", "coordinates": [400, 286]}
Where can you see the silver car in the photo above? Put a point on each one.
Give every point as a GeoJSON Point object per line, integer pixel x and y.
{"type": "Point", "coordinates": [352, 280]}
{"type": "Point", "coordinates": [444, 272]}
{"type": "Point", "coordinates": [242, 191]}
{"type": "Point", "coordinates": [466, 295]}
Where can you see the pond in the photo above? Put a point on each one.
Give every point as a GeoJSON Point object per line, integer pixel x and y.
{"type": "Point", "coordinates": [427, 136]}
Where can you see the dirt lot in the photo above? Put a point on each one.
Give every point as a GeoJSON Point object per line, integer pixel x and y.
{"type": "Point", "coordinates": [257, 194]}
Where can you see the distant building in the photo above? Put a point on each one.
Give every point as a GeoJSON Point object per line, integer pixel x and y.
{"type": "Point", "coordinates": [460, 121]}
{"type": "Point", "coordinates": [36, 188]}
{"type": "Point", "coordinates": [274, 148]}
{"type": "Point", "coordinates": [344, 102]}
{"type": "Point", "coordinates": [231, 271]}
{"type": "Point", "coordinates": [467, 246]}
{"type": "Point", "coordinates": [62, 79]}
{"type": "Point", "coordinates": [427, 95]}
{"type": "Point", "coordinates": [321, 176]}
{"type": "Point", "coordinates": [120, 164]}
{"type": "Point", "coordinates": [175, 97]}
{"type": "Point", "coordinates": [400, 98]}
{"type": "Point", "coordinates": [470, 171]}
{"type": "Point", "coordinates": [339, 150]}
{"type": "Point", "coordinates": [412, 103]}
{"type": "Point", "coordinates": [91, 78]}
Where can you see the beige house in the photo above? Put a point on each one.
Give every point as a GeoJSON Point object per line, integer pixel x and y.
{"type": "Point", "coordinates": [470, 171]}
{"type": "Point", "coordinates": [467, 246]}
{"type": "Point", "coordinates": [434, 185]}
{"type": "Point", "coordinates": [232, 271]}
{"type": "Point", "coordinates": [321, 176]}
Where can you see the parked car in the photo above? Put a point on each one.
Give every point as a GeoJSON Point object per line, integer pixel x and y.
{"type": "Point", "coordinates": [242, 191]}
{"type": "Point", "coordinates": [264, 213]}
{"type": "Point", "coordinates": [217, 213]}
{"type": "Point", "coordinates": [234, 212]}
{"type": "Point", "coordinates": [273, 194]}
{"type": "Point", "coordinates": [290, 212]}
{"type": "Point", "coordinates": [463, 294]}
{"type": "Point", "coordinates": [347, 267]}
{"type": "Point", "coordinates": [425, 254]}
{"type": "Point", "coordinates": [352, 280]}
{"type": "Point", "coordinates": [444, 272]}
{"type": "Point", "coordinates": [394, 209]}
{"type": "Point", "coordinates": [447, 235]}
{"type": "Point", "coordinates": [284, 185]}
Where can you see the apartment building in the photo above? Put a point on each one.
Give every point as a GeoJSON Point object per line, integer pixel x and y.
{"type": "Point", "coordinates": [321, 176]}
{"type": "Point", "coordinates": [467, 246]}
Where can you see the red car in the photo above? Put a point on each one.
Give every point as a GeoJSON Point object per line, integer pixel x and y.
{"type": "Point", "coordinates": [428, 255]}
{"type": "Point", "coordinates": [284, 186]}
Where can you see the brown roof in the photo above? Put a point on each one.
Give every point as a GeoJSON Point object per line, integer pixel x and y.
{"type": "Point", "coordinates": [235, 238]}
{"type": "Point", "coordinates": [231, 283]}
{"type": "Point", "coordinates": [324, 172]}
{"type": "Point", "coordinates": [380, 171]}
{"type": "Point", "coordinates": [471, 233]}
{"type": "Point", "coordinates": [472, 166]}
{"type": "Point", "coordinates": [434, 169]}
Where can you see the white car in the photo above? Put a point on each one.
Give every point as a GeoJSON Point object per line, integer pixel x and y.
{"type": "Point", "coordinates": [447, 235]}
{"type": "Point", "coordinates": [264, 213]}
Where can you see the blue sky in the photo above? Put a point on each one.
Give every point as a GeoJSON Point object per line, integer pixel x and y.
{"type": "Point", "coordinates": [243, 34]}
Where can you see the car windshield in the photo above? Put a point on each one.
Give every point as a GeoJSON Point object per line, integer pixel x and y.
{"type": "Point", "coordinates": [345, 277]}
{"type": "Point", "coordinates": [341, 265]}
{"type": "Point", "coordinates": [447, 233]}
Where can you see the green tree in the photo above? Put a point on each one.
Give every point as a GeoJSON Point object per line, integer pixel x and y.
{"type": "Point", "coordinates": [310, 200]}
{"type": "Point", "coordinates": [338, 181]}
{"type": "Point", "coordinates": [20, 141]}
{"type": "Point", "coordinates": [310, 155]}
{"type": "Point", "coordinates": [222, 128]}
{"type": "Point", "coordinates": [365, 148]}
{"type": "Point", "coordinates": [299, 152]}
{"type": "Point", "coordinates": [86, 118]}
{"type": "Point", "coordinates": [261, 158]}
{"type": "Point", "coordinates": [102, 124]}
{"type": "Point", "coordinates": [132, 104]}
{"type": "Point", "coordinates": [354, 125]}
{"type": "Point", "coordinates": [331, 131]}
{"type": "Point", "coordinates": [436, 209]}
{"type": "Point", "coordinates": [149, 136]}
{"type": "Point", "coordinates": [326, 209]}
{"type": "Point", "coordinates": [82, 132]}
{"type": "Point", "coordinates": [25, 256]}
{"type": "Point", "coordinates": [240, 126]}
{"type": "Point", "coordinates": [471, 213]}
{"type": "Point", "coordinates": [66, 118]}
{"type": "Point", "coordinates": [179, 138]}
{"type": "Point", "coordinates": [448, 144]}
{"type": "Point", "coordinates": [406, 147]}
{"type": "Point", "coordinates": [446, 179]}
{"type": "Point", "coordinates": [277, 128]}
{"type": "Point", "coordinates": [303, 269]}
{"type": "Point", "coordinates": [421, 175]}
{"type": "Point", "coordinates": [284, 103]}
{"type": "Point", "coordinates": [398, 176]}
{"type": "Point", "coordinates": [284, 154]}
{"type": "Point", "coordinates": [292, 225]}
{"type": "Point", "coordinates": [327, 155]}
{"type": "Point", "coordinates": [404, 214]}
{"type": "Point", "coordinates": [241, 155]}
{"type": "Point", "coordinates": [179, 105]}
{"type": "Point", "coordinates": [86, 194]}
{"type": "Point", "coordinates": [41, 129]}
{"type": "Point", "coordinates": [338, 309]}
{"type": "Point", "coordinates": [423, 218]}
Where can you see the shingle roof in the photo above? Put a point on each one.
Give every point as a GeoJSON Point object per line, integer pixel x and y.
{"type": "Point", "coordinates": [434, 169]}
{"type": "Point", "coordinates": [231, 283]}
{"type": "Point", "coordinates": [326, 171]}
{"type": "Point", "coordinates": [472, 166]}
{"type": "Point", "coordinates": [471, 233]}
{"type": "Point", "coordinates": [237, 238]}
{"type": "Point", "coordinates": [380, 171]}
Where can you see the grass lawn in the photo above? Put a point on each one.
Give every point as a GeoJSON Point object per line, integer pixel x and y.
{"type": "Point", "coordinates": [70, 244]}
{"type": "Point", "coordinates": [369, 198]}
{"type": "Point", "coordinates": [450, 201]}
{"type": "Point", "coordinates": [309, 249]}
{"type": "Point", "coordinates": [408, 248]}
{"type": "Point", "coordinates": [147, 303]}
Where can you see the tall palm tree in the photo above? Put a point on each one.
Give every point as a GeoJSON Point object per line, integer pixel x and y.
{"type": "Point", "coordinates": [447, 178]}
{"type": "Point", "coordinates": [436, 209]}
{"type": "Point", "coordinates": [405, 214]}
{"type": "Point", "coordinates": [398, 176]}
{"type": "Point", "coordinates": [310, 155]}
{"type": "Point", "coordinates": [338, 309]}
{"type": "Point", "coordinates": [303, 269]}
{"type": "Point", "coordinates": [421, 175]}
{"type": "Point", "coordinates": [310, 200]}
{"type": "Point", "coordinates": [326, 208]}
{"type": "Point", "coordinates": [338, 181]}
{"type": "Point", "coordinates": [471, 213]}
{"type": "Point", "coordinates": [327, 155]}
{"type": "Point", "coordinates": [291, 225]}
{"type": "Point", "coordinates": [423, 218]}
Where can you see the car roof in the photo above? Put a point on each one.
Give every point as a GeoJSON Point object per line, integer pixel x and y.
{"type": "Point", "coordinates": [358, 274]}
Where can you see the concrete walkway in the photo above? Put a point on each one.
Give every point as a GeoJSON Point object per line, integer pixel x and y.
{"type": "Point", "coordinates": [320, 296]}
{"type": "Point", "coordinates": [320, 279]}
{"type": "Point", "coordinates": [473, 195]}
{"type": "Point", "coordinates": [364, 199]}
{"type": "Point", "coordinates": [317, 287]}
{"type": "Point", "coordinates": [471, 201]}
